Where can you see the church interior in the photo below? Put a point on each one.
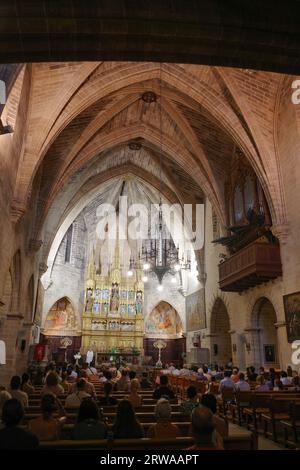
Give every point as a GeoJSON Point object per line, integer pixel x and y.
{"type": "Point", "coordinates": [149, 215]}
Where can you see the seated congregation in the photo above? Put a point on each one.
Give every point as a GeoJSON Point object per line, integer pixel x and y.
{"type": "Point", "coordinates": [113, 408]}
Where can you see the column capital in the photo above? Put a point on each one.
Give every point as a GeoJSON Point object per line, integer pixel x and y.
{"type": "Point", "coordinates": [17, 210]}
{"type": "Point", "coordinates": [281, 231]}
{"type": "Point", "coordinates": [34, 245]}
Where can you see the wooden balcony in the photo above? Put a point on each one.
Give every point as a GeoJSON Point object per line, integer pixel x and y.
{"type": "Point", "coordinates": [251, 266]}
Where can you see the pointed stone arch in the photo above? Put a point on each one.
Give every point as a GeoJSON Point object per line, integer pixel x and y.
{"type": "Point", "coordinates": [220, 338]}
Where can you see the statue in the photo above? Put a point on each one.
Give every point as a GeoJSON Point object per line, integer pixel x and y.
{"type": "Point", "coordinates": [159, 344]}
{"type": "Point", "coordinates": [114, 301]}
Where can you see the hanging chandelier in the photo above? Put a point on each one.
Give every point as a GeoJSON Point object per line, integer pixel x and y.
{"type": "Point", "coordinates": [160, 255]}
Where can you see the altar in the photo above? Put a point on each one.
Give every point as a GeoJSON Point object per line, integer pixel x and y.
{"type": "Point", "coordinates": [117, 358]}
{"type": "Point", "coordinates": [113, 314]}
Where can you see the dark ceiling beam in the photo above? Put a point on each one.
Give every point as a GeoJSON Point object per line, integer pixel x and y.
{"type": "Point", "coordinates": [256, 34]}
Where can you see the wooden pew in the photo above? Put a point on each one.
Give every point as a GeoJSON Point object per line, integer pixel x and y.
{"type": "Point", "coordinates": [235, 443]}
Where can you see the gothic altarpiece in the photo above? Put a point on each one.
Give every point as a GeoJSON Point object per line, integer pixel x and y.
{"type": "Point", "coordinates": [113, 317]}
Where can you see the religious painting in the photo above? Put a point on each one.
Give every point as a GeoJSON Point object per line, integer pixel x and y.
{"type": "Point", "coordinates": [164, 320]}
{"type": "Point", "coordinates": [269, 353]}
{"type": "Point", "coordinates": [292, 316]}
{"type": "Point", "coordinates": [195, 311]}
{"type": "Point", "coordinates": [61, 319]}
{"type": "Point", "coordinates": [139, 301]}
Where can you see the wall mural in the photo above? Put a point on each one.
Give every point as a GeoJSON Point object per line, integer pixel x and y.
{"type": "Point", "coordinates": [292, 315]}
{"type": "Point", "coordinates": [61, 319]}
{"type": "Point", "coordinates": [195, 311]}
{"type": "Point", "coordinates": [164, 320]}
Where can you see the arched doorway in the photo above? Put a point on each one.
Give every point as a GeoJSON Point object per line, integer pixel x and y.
{"type": "Point", "coordinates": [220, 349]}
{"type": "Point", "coordinates": [264, 338]}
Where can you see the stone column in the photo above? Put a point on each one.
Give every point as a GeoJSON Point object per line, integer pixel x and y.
{"type": "Point", "coordinates": [253, 347]}
{"type": "Point", "coordinates": [11, 326]}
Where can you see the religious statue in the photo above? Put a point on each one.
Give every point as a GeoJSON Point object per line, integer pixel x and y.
{"type": "Point", "coordinates": [89, 300]}
{"type": "Point", "coordinates": [114, 300]}
{"type": "Point", "coordinates": [139, 302]}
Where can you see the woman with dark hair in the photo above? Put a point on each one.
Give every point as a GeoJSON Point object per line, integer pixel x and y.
{"type": "Point", "coordinates": [26, 384]}
{"type": "Point", "coordinates": [126, 426]}
{"type": "Point", "coordinates": [221, 428]}
{"type": "Point", "coordinates": [89, 425]}
{"type": "Point", "coordinates": [46, 427]}
{"type": "Point", "coordinates": [52, 386]}
{"type": "Point", "coordinates": [13, 436]}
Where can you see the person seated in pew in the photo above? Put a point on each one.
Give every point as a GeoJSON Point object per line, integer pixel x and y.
{"type": "Point", "coordinates": [134, 398]}
{"type": "Point", "coordinates": [278, 385]}
{"type": "Point", "coordinates": [235, 375]}
{"type": "Point", "coordinates": [52, 386]}
{"type": "Point", "coordinates": [296, 381]}
{"type": "Point", "coordinates": [88, 424]}
{"type": "Point", "coordinates": [227, 382]}
{"type": "Point", "coordinates": [188, 405]}
{"type": "Point", "coordinates": [71, 374]}
{"type": "Point", "coordinates": [46, 427]}
{"type": "Point", "coordinates": [163, 428]}
{"type": "Point", "coordinates": [75, 398]}
{"type": "Point", "coordinates": [16, 393]}
{"type": "Point", "coordinates": [262, 386]}
{"type": "Point", "coordinates": [88, 387]}
{"type": "Point", "coordinates": [64, 382]}
{"type": "Point", "coordinates": [202, 429]}
{"type": "Point", "coordinates": [26, 385]}
{"type": "Point", "coordinates": [13, 436]}
{"type": "Point", "coordinates": [126, 425]}
{"type": "Point", "coordinates": [221, 428]}
{"type": "Point", "coordinates": [285, 379]}
{"type": "Point", "coordinates": [241, 385]}
{"type": "Point", "coordinates": [164, 390]}
{"type": "Point", "coordinates": [107, 400]}
{"type": "Point", "coordinates": [122, 384]}
{"type": "Point", "coordinates": [4, 396]}
{"type": "Point", "coordinates": [145, 382]}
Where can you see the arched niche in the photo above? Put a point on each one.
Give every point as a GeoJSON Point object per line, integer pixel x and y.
{"type": "Point", "coordinates": [220, 348]}
{"type": "Point", "coordinates": [164, 321]}
{"type": "Point", "coordinates": [264, 337]}
{"type": "Point", "coordinates": [61, 319]}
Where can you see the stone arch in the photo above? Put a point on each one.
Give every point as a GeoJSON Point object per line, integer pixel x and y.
{"type": "Point", "coordinates": [264, 341]}
{"type": "Point", "coordinates": [61, 319]}
{"type": "Point", "coordinates": [220, 339]}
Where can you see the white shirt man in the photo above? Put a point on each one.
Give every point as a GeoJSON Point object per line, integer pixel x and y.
{"type": "Point", "coordinates": [89, 356]}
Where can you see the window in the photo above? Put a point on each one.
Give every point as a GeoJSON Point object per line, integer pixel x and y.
{"type": "Point", "coordinates": [68, 244]}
